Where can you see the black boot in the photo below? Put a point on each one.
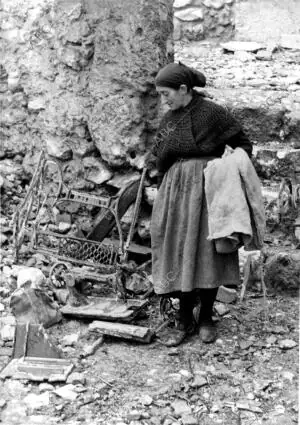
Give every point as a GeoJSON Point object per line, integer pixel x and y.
{"type": "Point", "coordinates": [207, 329]}
{"type": "Point", "coordinates": [185, 323]}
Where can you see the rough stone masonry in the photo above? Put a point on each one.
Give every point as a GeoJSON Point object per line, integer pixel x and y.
{"type": "Point", "coordinates": [76, 77]}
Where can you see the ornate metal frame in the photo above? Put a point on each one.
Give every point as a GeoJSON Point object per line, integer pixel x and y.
{"type": "Point", "coordinates": [71, 251]}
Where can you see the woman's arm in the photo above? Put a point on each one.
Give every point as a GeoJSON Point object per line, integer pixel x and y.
{"type": "Point", "coordinates": [240, 140]}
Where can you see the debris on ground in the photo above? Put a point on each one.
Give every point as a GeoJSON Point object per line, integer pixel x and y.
{"type": "Point", "coordinates": [34, 306]}
{"type": "Point", "coordinates": [89, 350]}
{"type": "Point", "coordinates": [110, 309]}
{"type": "Point", "coordinates": [31, 340]}
{"type": "Point", "coordinates": [37, 369]}
{"type": "Point", "coordinates": [122, 330]}
{"type": "Point", "coordinates": [226, 295]}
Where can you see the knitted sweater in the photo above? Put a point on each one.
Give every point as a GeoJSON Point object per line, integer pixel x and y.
{"type": "Point", "coordinates": [200, 129]}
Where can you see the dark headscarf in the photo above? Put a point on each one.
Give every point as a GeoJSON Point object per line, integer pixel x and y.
{"type": "Point", "coordinates": [174, 75]}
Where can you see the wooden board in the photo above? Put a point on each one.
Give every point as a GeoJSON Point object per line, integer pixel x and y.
{"type": "Point", "coordinates": [105, 220]}
{"type": "Point", "coordinates": [109, 309]}
{"type": "Point", "coordinates": [37, 369]}
{"type": "Point", "coordinates": [122, 330]}
{"type": "Point", "coordinates": [32, 341]}
{"type": "Point", "coordinates": [133, 247]}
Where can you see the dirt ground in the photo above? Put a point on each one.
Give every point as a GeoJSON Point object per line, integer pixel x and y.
{"type": "Point", "coordinates": [249, 376]}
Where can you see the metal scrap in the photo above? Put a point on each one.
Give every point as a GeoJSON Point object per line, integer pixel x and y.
{"type": "Point", "coordinates": [37, 369]}
{"type": "Point", "coordinates": [34, 357]}
{"type": "Point", "coordinates": [70, 251]}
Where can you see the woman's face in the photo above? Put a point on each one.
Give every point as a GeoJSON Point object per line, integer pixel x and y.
{"type": "Point", "coordinates": [173, 98]}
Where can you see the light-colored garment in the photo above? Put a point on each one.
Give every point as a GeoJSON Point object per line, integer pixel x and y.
{"type": "Point", "coordinates": [183, 259]}
{"type": "Point", "coordinates": [234, 200]}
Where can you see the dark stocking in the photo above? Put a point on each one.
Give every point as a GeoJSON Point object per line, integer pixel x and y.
{"type": "Point", "coordinates": [207, 330]}
{"type": "Point", "coordinates": [207, 298]}
{"type": "Point", "coordinates": [187, 302]}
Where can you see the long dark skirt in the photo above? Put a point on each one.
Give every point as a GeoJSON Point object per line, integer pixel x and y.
{"type": "Point", "coordinates": [183, 259]}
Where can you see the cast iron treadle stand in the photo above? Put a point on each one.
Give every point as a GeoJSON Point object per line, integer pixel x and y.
{"type": "Point", "coordinates": [70, 252]}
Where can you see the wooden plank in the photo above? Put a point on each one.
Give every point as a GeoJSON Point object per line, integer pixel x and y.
{"type": "Point", "coordinates": [90, 349]}
{"type": "Point", "coordinates": [109, 309]}
{"type": "Point", "coordinates": [133, 247]}
{"type": "Point", "coordinates": [32, 341]}
{"type": "Point", "coordinates": [105, 220]}
{"type": "Point", "coordinates": [122, 330]}
{"type": "Point", "coordinates": [247, 273]}
{"type": "Point", "coordinates": [37, 369]}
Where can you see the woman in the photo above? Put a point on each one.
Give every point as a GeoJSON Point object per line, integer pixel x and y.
{"type": "Point", "coordinates": [185, 264]}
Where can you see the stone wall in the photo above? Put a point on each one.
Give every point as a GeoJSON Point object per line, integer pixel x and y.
{"type": "Point", "coordinates": [76, 78]}
{"type": "Point", "coordinates": [250, 20]}
{"type": "Point", "coordinates": [196, 20]}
